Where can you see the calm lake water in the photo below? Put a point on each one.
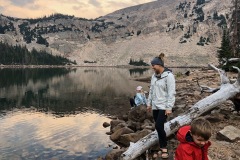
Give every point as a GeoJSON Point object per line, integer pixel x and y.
{"type": "Point", "coordinates": [58, 113]}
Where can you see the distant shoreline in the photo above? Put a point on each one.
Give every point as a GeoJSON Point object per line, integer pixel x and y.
{"type": "Point", "coordinates": [75, 66]}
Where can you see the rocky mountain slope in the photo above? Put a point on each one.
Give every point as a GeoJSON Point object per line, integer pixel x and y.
{"type": "Point", "coordinates": [188, 32]}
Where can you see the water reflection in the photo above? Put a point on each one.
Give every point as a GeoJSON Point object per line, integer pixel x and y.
{"type": "Point", "coordinates": [32, 135]}
{"type": "Point", "coordinates": [139, 71]}
{"type": "Point", "coordinates": [48, 113]}
{"type": "Point", "coordinates": [20, 76]}
{"type": "Point", "coordinates": [67, 94]}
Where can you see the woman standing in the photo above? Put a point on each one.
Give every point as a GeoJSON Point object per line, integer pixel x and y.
{"type": "Point", "coordinates": [161, 99]}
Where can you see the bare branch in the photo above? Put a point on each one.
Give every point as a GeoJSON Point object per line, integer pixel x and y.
{"type": "Point", "coordinates": [207, 89]}
{"type": "Point", "coordinates": [222, 73]}
{"type": "Point", "coordinates": [238, 79]}
{"type": "Point", "coordinates": [233, 59]}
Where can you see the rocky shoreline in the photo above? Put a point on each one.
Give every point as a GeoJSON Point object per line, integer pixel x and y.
{"type": "Point", "coordinates": [136, 123]}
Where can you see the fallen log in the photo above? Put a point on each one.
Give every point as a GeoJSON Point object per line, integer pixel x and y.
{"type": "Point", "coordinates": [225, 92]}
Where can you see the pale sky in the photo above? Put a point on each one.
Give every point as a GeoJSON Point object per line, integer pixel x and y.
{"type": "Point", "coordinates": [78, 8]}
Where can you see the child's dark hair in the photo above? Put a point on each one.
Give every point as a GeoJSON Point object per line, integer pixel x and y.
{"type": "Point", "coordinates": [201, 127]}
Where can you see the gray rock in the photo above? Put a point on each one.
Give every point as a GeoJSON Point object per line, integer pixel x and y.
{"type": "Point", "coordinates": [138, 114]}
{"type": "Point", "coordinates": [125, 139]}
{"type": "Point", "coordinates": [133, 125]}
{"type": "Point", "coordinates": [229, 133]}
{"type": "Point", "coordinates": [106, 124]}
{"type": "Point", "coordinates": [108, 133]}
{"type": "Point", "coordinates": [120, 125]}
{"type": "Point", "coordinates": [116, 135]}
{"type": "Point", "coordinates": [114, 154]}
{"type": "Point", "coordinates": [114, 123]}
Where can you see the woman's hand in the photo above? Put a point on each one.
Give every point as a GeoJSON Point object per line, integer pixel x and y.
{"type": "Point", "coordinates": [149, 108]}
{"type": "Point", "coordinates": [168, 112]}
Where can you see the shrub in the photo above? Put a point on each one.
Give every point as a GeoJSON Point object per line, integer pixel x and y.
{"type": "Point", "coordinates": [138, 63]}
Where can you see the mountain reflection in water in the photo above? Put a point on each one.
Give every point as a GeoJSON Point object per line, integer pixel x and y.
{"type": "Point", "coordinates": [58, 113]}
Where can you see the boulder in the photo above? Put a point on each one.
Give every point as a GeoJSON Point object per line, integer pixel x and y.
{"type": "Point", "coordinates": [125, 139]}
{"type": "Point", "coordinates": [116, 135]}
{"type": "Point", "coordinates": [114, 123]}
{"type": "Point", "coordinates": [108, 133]}
{"type": "Point", "coordinates": [229, 133]}
{"type": "Point", "coordinates": [114, 154]}
{"type": "Point", "coordinates": [125, 117]}
{"type": "Point", "coordinates": [106, 124]}
{"type": "Point", "coordinates": [120, 125]}
{"type": "Point", "coordinates": [138, 114]}
{"type": "Point", "coordinates": [133, 125]}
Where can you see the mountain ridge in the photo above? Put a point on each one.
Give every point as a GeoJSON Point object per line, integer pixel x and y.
{"type": "Point", "coordinates": [188, 32]}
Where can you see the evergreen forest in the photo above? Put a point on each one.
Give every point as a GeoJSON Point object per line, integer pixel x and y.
{"type": "Point", "coordinates": [229, 52]}
{"type": "Point", "coordinates": [18, 55]}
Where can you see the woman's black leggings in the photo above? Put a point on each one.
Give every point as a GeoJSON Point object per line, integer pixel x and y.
{"type": "Point", "coordinates": [160, 118]}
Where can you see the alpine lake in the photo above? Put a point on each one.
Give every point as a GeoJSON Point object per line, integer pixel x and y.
{"type": "Point", "coordinates": [58, 113]}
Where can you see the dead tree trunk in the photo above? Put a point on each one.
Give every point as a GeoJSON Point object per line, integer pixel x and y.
{"type": "Point", "coordinates": [225, 92]}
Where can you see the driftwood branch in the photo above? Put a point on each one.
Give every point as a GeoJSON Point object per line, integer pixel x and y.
{"type": "Point", "coordinates": [207, 89]}
{"type": "Point", "coordinates": [233, 59]}
{"type": "Point", "coordinates": [222, 73]}
{"type": "Point", "coordinates": [230, 60]}
{"type": "Point", "coordinates": [225, 92]}
{"type": "Point", "coordinates": [238, 79]}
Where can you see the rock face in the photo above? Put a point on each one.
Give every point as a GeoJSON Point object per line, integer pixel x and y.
{"type": "Point", "coordinates": [188, 32]}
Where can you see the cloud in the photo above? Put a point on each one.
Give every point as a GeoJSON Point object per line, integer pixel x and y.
{"type": "Point", "coordinates": [119, 5]}
{"type": "Point", "coordinates": [125, 3]}
{"type": "Point", "coordinates": [95, 3]}
{"type": "Point", "coordinates": [34, 7]}
{"type": "Point", "coordinates": [1, 9]}
{"type": "Point", "coordinates": [22, 2]}
{"type": "Point", "coordinates": [79, 8]}
{"type": "Point", "coordinates": [69, 1]}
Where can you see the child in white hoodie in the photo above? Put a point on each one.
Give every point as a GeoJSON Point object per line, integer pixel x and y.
{"type": "Point", "coordinates": [140, 98]}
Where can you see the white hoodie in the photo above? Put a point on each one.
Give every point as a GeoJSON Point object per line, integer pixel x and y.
{"type": "Point", "coordinates": [162, 91]}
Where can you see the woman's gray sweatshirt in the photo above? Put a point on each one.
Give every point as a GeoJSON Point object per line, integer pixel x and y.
{"type": "Point", "coordinates": [162, 91]}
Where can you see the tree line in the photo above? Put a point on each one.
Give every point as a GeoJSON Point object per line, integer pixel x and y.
{"type": "Point", "coordinates": [18, 55]}
{"type": "Point", "coordinates": [229, 52]}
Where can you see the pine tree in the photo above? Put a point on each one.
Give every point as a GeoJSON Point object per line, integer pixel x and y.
{"type": "Point", "coordinates": [199, 2]}
{"type": "Point", "coordinates": [234, 29]}
{"type": "Point", "coordinates": [11, 55]}
{"type": "Point", "coordinates": [225, 51]}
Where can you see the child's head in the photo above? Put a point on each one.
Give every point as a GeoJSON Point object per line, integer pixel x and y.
{"type": "Point", "coordinates": [201, 131]}
{"type": "Point", "coordinates": [139, 88]}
